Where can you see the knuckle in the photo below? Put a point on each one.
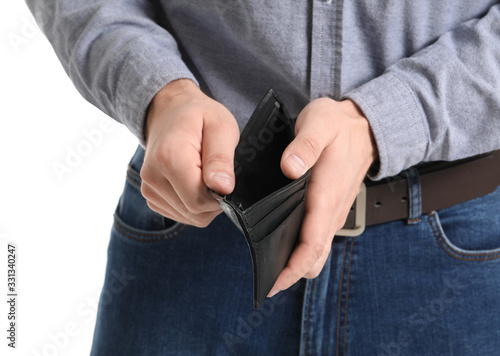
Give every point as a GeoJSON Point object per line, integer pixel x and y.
{"type": "Point", "coordinates": [196, 205]}
{"type": "Point", "coordinates": [202, 224]}
{"type": "Point", "coordinates": [193, 209]}
{"type": "Point", "coordinates": [313, 273]}
{"type": "Point", "coordinates": [218, 158]}
{"type": "Point", "coordinates": [311, 146]}
{"type": "Point", "coordinates": [153, 207]}
{"type": "Point", "coordinates": [317, 250]}
{"type": "Point", "coordinates": [145, 191]}
{"type": "Point", "coordinates": [339, 222]}
{"type": "Point", "coordinates": [163, 156]}
{"type": "Point", "coordinates": [146, 176]}
{"type": "Point", "coordinates": [201, 221]}
{"type": "Point", "coordinates": [292, 273]}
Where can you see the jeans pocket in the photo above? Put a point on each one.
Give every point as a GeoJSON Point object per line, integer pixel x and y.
{"type": "Point", "coordinates": [133, 219]}
{"type": "Point", "coordinates": [469, 231]}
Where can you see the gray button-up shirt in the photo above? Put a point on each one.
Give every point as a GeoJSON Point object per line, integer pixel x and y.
{"type": "Point", "coordinates": [426, 73]}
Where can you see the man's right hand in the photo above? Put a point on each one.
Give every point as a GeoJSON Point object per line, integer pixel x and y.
{"type": "Point", "coordinates": [190, 143]}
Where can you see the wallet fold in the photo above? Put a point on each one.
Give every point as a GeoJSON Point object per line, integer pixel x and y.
{"type": "Point", "coordinates": [265, 205]}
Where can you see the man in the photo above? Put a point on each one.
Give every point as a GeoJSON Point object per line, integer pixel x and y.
{"type": "Point", "coordinates": [378, 87]}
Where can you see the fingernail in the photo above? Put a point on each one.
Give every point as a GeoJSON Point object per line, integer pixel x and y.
{"type": "Point", "coordinates": [296, 163]}
{"type": "Point", "coordinates": [222, 178]}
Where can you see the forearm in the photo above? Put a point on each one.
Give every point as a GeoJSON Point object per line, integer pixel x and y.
{"type": "Point", "coordinates": [440, 104]}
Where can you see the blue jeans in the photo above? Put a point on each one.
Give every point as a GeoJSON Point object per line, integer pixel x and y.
{"type": "Point", "coordinates": [426, 288]}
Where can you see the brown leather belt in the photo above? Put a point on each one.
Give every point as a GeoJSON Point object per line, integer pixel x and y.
{"type": "Point", "coordinates": [443, 184]}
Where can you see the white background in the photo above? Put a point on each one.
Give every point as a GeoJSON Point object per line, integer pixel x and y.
{"type": "Point", "coordinates": [59, 222]}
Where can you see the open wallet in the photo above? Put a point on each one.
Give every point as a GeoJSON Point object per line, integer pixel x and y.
{"type": "Point", "coordinates": [265, 205]}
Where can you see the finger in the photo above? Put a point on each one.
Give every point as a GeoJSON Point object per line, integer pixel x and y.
{"type": "Point", "coordinates": [327, 200]}
{"type": "Point", "coordinates": [309, 253]}
{"type": "Point", "coordinates": [192, 191]}
{"type": "Point", "coordinates": [176, 217]}
{"type": "Point", "coordinates": [220, 137]}
{"type": "Point", "coordinates": [179, 214]}
{"type": "Point", "coordinates": [183, 170]}
{"type": "Point", "coordinates": [338, 204]}
{"type": "Point", "coordinates": [318, 266]}
{"type": "Point", "coordinates": [313, 134]}
{"type": "Point", "coordinates": [159, 205]}
{"type": "Point", "coordinates": [198, 223]}
{"type": "Point", "coordinates": [166, 193]}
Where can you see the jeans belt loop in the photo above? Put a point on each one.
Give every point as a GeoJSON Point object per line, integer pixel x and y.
{"type": "Point", "coordinates": [414, 196]}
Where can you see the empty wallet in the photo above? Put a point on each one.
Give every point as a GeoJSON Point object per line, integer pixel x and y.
{"type": "Point", "coordinates": [265, 205]}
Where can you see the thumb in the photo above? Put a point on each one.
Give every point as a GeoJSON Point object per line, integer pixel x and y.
{"type": "Point", "coordinates": [220, 137]}
{"type": "Point", "coordinates": [312, 137]}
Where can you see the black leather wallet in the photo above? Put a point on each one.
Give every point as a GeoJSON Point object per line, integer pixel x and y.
{"type": "Point", "coordinates": [266, 205]}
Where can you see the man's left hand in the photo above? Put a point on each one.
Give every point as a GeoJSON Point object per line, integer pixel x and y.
{"type": "Point", "coordinates": [335, 140]}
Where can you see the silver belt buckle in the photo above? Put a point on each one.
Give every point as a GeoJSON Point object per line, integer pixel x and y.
{"type": "Point", "coordinates": [360, 218]}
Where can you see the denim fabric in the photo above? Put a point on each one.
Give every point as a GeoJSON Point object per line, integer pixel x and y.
{"type": "Point", "coordinates": [431, 288]}
{"type": "Point", "coordinates": [415, 194]}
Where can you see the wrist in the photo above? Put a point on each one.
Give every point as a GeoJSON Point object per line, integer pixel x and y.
{"type": "Point", "coordinates": [361, 131]}
{"type": "Point", "coordinates": [173, 90]}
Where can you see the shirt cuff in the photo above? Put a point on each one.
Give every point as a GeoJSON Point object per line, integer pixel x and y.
{"type": "Point", "coordinates": [397, 121]}
{"type": "Point", "coordinates": [140, 81]}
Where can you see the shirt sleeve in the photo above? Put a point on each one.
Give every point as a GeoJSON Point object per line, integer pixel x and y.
{"type": "Point", "coordinates": [443, 103]}
{"type": "Point", "coordinates": [114, 51]}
